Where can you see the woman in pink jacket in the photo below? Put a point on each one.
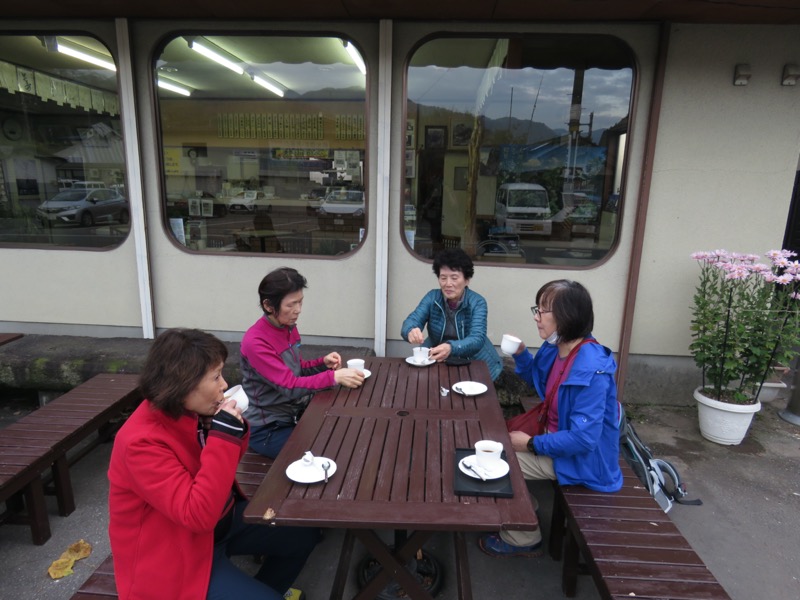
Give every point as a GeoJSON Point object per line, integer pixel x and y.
{"type": "Point", "coordinates": [175, 509]}
{"type": "Point", "coordinates": [276, 377]}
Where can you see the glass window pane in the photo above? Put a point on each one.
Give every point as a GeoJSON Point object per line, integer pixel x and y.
{"type": "Point", "coordinates": [62, 167]}
{"type": "Point", "coordinates": [264, 141]}
{"type": "Point", "coordinates": [515, 147]}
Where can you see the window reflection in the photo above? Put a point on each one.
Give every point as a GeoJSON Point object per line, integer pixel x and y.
{"type": "Point", "coordinates": [62, 168]}
{"type": "Point", "coordinates": [266, 152]}
{"type": "Point", "coordinates": [514, 147]}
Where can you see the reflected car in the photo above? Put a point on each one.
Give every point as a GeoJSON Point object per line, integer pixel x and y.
{"type": "Point", "coordinates": [84, 207]}
{"type": "Point", "coordinates": [315, 198]}
{"type": "Point", "coordinates": [250, 201]}
{"type": "Point", "coordinates": [343, 202]}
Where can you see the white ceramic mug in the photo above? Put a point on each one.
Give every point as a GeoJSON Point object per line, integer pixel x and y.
{"type": "Point", "coordinates": [421, 354]}
{"type": "Point", "coordinates": [238, 394]}
{"type": "Point", "coordinates": [510, 344]}
{"type": "Point", "coordinates": [356, 363]}
{"type": "Point", "coordinates": [487, 453]}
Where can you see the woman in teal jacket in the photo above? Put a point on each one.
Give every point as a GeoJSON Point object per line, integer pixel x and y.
{"type": "Point", "coordinates": [575, 375]}
{"type": "Point", "coordinates": [454, 314]}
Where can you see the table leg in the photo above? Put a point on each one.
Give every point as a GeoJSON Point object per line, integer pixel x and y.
{"type": "Point", "coordinates": [393, 564]}
{"type": "Point", "coordinates": [340, 580]}
{"type": "Point", "coordinates": [462, 566]}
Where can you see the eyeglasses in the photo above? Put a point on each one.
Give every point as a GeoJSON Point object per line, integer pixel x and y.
{"type": "Point", "coordinates": [538, 312]}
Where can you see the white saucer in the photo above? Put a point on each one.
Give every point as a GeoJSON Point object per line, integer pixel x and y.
{"type": "Point", "coordinates": [428, 361]}
{"type": "Point", "coordinates": [301, 473]}
{"type": "Point", "coordinates": [366, 373]}
{"type": "Point", "coordinates": [496, 473]}
{"type": "Point", "coordinates": [469, 388]}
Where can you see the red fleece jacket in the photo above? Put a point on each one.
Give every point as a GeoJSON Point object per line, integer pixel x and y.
{"type": "Point", "coordinates": [166, 495]}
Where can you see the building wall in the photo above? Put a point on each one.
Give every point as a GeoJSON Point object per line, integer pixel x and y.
{"type": "Point", "coordinates": [724, 167]}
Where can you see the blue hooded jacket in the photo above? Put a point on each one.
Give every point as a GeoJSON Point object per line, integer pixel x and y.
{"type": "Point", "coordinates": [585, 449]}
{"type": "Point", "coordinates": [471, 316]}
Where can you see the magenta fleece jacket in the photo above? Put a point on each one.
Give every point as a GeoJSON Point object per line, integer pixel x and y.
{"type": "Point", "coordinates": [275, 377]}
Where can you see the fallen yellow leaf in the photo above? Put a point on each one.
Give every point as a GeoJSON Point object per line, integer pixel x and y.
{"type": "Point", "coordinates": [78, 550]}
{"type": "Point", "coordinates": [61, 568]}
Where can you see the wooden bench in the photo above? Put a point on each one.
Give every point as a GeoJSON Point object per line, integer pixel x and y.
{"type": "Point", "coordinates": [100, 584]}
{"type": "Point", "coordinates": [41, 440]}
{"type": "Point", "coordinates": [630, 546]}
{"type": "Point", "coordinates": [9, 337]}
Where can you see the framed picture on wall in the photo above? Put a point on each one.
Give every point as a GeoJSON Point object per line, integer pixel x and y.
{"type": "Point", "coordinates": [435, 137]}
{"type": "Point", "coordinates": [461, 132]}
{"type": "Point", "coordinates": [410, 133]}
{"type": "Point", "coordinates": [459, 178]}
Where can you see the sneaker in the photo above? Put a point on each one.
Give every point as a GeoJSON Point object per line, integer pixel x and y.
{"type": "Point", "coordinates": [493, 545]}
{"type": "Point", "coordinates": [294, 594]}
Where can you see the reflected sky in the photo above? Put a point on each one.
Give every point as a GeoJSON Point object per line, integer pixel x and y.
{"type": "Point", "coordinates": [541, 95]}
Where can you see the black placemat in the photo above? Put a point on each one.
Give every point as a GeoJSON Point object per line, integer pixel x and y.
{"type": "Point", "coordinates": [465, 485]}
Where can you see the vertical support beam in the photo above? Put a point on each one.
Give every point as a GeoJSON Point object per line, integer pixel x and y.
{"type": "Point", "coordinates": [382, 204]}
{"type": "Point", "coordinates": [635, 265]}
{"type": "Point", "coordinates": [133, 180]}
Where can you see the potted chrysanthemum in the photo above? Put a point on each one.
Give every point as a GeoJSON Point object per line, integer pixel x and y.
{"type": "Point", "coordinates": [745, 320]}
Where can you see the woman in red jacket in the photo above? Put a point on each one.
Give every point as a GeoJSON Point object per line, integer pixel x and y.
{"type": "Point", "coordinates": [175, 510]}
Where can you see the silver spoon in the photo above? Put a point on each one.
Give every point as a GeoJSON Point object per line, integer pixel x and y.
{"type": "Point", "coordinates": [474, 470]}
{"type": "Point", "coordinates": [325, 466]}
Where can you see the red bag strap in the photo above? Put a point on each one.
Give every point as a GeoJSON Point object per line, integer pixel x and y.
{"type": "Point", "coordinates": [557, 384]}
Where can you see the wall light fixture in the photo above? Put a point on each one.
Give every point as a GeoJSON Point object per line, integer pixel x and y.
{"type": "Point", "coordinates": [173, 87]}
{"type": "Point", "coordinates": [741, 74]}
{"type": "Point", "coordinates": [791, 73]}
{"type": "Point", "coordinates": [86, 55]}
{"type": "Point", "coordinates": [356, 56]}
{"type": "Point", "coordinates": [204, 48]}
{"type": "Point", "coordinates": [270, 86]}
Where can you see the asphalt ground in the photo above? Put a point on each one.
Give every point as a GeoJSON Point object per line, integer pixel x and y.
{"type": "Point", "coordinates": [746, 530]}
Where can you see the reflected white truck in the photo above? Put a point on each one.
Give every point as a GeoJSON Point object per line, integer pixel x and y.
{"type": "Point", "coordinates": [523, 209]}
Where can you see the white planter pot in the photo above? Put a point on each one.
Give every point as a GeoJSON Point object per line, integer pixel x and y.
{"type": "Point", "coordinates": [722, 422]}
{"type": "Point", "coordinates": [772, 390]}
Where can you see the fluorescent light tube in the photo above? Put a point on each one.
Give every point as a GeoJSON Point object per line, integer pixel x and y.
{"type": "Point", "coordinates": [174, 88]}
{"type": "Point", "coordinates": [271, 87]}
{"type": "Point", "coordinates": [353, 52]}
{"type": "Point", "coordinates": [218, 58]}
{"type": "Point", "coordinates": [85, 56]}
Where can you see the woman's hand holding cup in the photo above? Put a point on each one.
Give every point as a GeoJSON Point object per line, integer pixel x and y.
{"type": "Point", "coordinates": [350, 378]}
{"type": "Point", "coordinates": [229, 406]}
{"type": "Point", "coordinates": [510, 344]}
{"type": "Point", "coordinates": [415, 336]}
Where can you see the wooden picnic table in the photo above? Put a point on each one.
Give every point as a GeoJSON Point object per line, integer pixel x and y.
{"type": "Point", "coordinates": [394, 443]}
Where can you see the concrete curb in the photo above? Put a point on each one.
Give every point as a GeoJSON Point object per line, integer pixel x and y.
{"type": "Point", "coordinates": [59, 363]}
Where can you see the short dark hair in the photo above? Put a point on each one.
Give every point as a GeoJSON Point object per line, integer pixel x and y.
{"type": "Point", "coordinates": [176, 363]}
{"type": "Point", "coordinates": [277, 284]}
{"type": "Point", "coordinates": [572, 308]}
{"type": "Point", "coordinates": [454, 259]}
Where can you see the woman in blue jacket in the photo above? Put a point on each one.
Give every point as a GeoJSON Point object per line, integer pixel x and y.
{"type": "Point", "coordinates": [576, 374]}
{"type": "Point", "coordinates": [454, 314]}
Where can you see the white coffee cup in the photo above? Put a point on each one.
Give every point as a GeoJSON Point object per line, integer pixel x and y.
{"type": "Point", "coordinates": [421, 354]}
{"type": "Point", "coordinates": [487, 453]}
{"type": "Point", "coordinates": [510, 344]}
{"type": "Point", "coordinates": [238, 394]}
{"type": "Point", "coordinates": [356, 363]}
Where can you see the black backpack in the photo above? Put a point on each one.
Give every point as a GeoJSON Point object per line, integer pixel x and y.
{"type": "Point", "coordinates": [659, 477]}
